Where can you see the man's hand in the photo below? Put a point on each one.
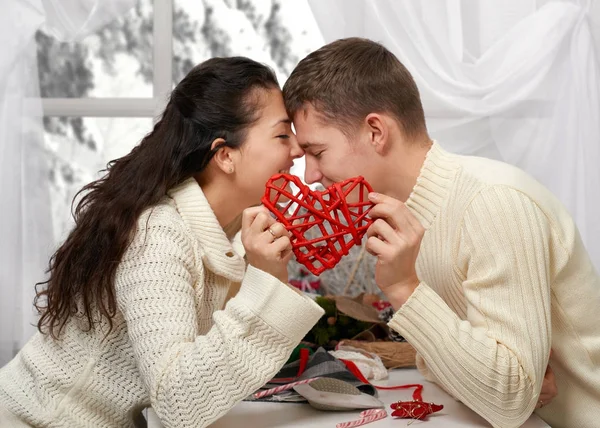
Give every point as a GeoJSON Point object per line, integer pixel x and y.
{"type": "Point", "coordinates": [394, 238]}
{"type": "Point", "coordinates": [549, 388]}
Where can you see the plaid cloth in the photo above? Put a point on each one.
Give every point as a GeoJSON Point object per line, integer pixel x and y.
{"type": "Point", "coordinates": [386, 316]}
{"type": "Point", "coordinates": [320, 364]}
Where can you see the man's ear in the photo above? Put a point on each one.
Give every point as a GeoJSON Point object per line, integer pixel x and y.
{"type": "Point", "coordinates": [378, 132]}
{"type": "Point", "coordinates": [223, 158]}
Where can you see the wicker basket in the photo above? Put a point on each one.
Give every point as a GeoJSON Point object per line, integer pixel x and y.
{"type": "Point", "coordinates": [393, 354]}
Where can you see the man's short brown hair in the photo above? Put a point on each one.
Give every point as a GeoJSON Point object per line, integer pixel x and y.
{"type": "Point", "coordinates": [347, 79]}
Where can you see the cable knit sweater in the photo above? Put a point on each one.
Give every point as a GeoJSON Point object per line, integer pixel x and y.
{"type": "Point", "coordinates": [504, 278]}
{"type": "Point", "coordinates": [172, 346]}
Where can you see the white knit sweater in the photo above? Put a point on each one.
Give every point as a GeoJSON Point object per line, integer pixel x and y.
{"type": "Point", "coordinates": [172, 346]}
{"type": "Point", "coordinates": [505, 277]}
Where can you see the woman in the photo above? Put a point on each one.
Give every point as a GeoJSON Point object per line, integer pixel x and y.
{"type": "Point", "coordinates": [131, 314]}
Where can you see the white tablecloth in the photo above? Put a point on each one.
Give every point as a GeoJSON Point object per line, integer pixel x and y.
{"type": "Point", "coordinates": [454, 414]}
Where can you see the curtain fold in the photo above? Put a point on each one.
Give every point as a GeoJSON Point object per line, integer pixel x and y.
{"type": "Point", "coordinates": [515, 80]}
{"type": "Point", "coordinates": [26, 240]}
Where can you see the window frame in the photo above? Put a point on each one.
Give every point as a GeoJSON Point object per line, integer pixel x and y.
{"type": "Point", "coordinates": [130, 107]}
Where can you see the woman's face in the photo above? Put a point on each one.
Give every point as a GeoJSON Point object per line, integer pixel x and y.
{"type": "Point", "coordinates": [270, 147]}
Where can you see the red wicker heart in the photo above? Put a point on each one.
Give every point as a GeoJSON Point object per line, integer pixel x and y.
{"type": "Point", "coordinates": [324, 225]}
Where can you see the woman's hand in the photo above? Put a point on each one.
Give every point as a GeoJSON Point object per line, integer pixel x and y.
{"type": "Point", "coordinates": [267, 243]}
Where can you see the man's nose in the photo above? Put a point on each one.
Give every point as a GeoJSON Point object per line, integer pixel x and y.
{"type": "Point", "coordinates": [312, 173]}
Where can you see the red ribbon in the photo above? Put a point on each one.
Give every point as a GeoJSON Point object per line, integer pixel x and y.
{"type": "Point", "coordinates": [415, 409]}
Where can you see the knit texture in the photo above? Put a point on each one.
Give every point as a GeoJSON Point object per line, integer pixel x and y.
{"type": "Point", "coordinates": [172, 346]}
{"type": "Point", "coordinates": [504, 277]}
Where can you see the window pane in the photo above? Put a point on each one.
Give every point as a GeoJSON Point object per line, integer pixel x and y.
{"type": "Point", "coordinates": [276, 32]}
{"type": "Point", "coordinates": [116, 61]}
{"type": "Point", "coordinates": [77, 158]}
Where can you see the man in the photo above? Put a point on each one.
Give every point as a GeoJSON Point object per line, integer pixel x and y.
{"type": "Point", "coordinates": [484, 266]}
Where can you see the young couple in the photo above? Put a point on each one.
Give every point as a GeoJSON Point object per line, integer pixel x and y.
{"type": "Point", "coordinates": [484, 266]}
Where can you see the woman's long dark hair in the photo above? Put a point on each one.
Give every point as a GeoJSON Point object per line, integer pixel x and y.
{"type": "Point", "coordinates": [215, 100]}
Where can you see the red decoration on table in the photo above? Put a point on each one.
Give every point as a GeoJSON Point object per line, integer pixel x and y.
{"type": "Point", "coordinates": [341, 224]}
{"type": "Point", "coordinates": [416, 409]}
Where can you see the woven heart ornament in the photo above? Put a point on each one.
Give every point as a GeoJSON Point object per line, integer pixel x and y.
{"type": "Point", "coordinates": [324, 224]}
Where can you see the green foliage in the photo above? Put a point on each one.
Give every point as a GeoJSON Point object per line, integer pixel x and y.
{"type": "Point", "coordinates": [344, 327]}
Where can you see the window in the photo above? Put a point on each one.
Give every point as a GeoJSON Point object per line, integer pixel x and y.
{"type": "Point", "coordinates": [100, 96]}
{"type": "Point", "coordinates": [116, 61]}
{"type": "Point", "coordinates": [74, 163]}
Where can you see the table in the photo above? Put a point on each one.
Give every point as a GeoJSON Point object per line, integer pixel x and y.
{"type": "Point", "coordinates": [272, 415]}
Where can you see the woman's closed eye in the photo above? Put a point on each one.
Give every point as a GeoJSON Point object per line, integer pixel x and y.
{"type": "Point", "coordinates": [283, 136]}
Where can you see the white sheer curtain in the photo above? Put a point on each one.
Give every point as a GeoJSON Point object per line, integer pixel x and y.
{"type": "Point", "coordinates": [25, 222]}
{"type": "Point", "coordinates": [516, 80]}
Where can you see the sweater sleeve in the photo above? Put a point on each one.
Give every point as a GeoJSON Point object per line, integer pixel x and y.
{"type": "Point", "coordinates": [494, 361]}
{"type": "Point", "coordinates": [423, 369]}
{"type": "Point", "coordinates": [194, 379]}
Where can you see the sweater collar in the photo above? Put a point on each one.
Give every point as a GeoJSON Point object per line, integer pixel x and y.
{"type": "Point", "coordinates": [218, 253]}
{"type": "Point", "coordinates": [433, 185]}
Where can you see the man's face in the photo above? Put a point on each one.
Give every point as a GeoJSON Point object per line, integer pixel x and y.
{"type": "Point", "coordinates": [330, 156]}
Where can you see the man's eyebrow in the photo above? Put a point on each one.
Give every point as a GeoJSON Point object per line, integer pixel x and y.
{"type": "Point", "coordinates": [309, 145]}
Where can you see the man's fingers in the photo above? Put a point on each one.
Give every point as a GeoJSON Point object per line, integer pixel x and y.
{"type": "Point", "coordinates": [551, 381]}
{"type": "Point", "coordinates": [385, 212]}
{"type": "Point", "coordinates": [381, 228]}
{"type": "Point", "coordinates": [376, 246]}
{"type": "Point", "coordinates": [549, 389]}
{"type": "Point", "coordinates": [379, 198]}
{"type": "Point", "coordinates": [398, 216]}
